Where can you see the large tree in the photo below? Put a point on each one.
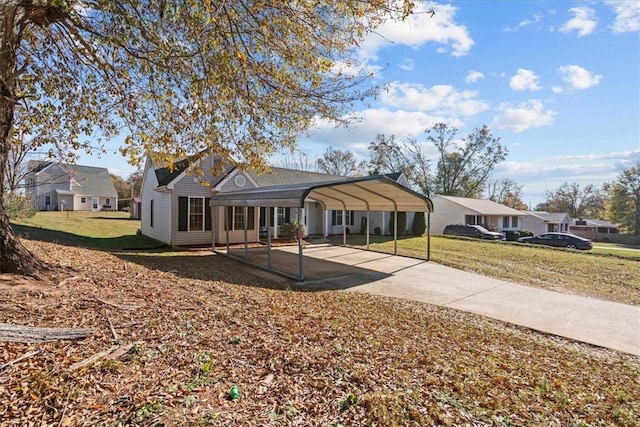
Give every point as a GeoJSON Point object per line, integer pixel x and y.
{"type": "Point", "coordinates": [623, 206]}
{"type": "Point", "coordinates": [389, 155]}
{"type": "Point", "coordinates": [506, 192]}
{"type": "Point", "coordinates": [464, 165]}
{"type": "Point", "coordinates": [577, 202]}
{"type": "Point", "coordinates": [340, 162]}
{"type": "Point", "coordinates": [239, 78]}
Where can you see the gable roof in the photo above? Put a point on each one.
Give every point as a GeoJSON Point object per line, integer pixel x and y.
{"type": "Point", "coordinates": [551, 217]}
{"type": "Point", "coordinates": [481, 206]}
{"type": "Point", "coordinates": [92, 180]}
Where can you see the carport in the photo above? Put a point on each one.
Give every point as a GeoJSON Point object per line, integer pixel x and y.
{"type": "Point", "coordinates": [373, 193]}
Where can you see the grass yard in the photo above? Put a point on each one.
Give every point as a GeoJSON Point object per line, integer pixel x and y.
{"type": "Point", "coordinates": [106, 231]}
{"type": "Point", "coordinates": [611, 276]}
{"type": "Point", "coordinates": [191, 325]}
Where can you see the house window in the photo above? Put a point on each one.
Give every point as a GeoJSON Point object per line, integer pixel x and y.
{"type": "Point", "coordinates": [505, 222]}
{"type": "Point", "coordinates": [151, 213]}
{"type": "Point", "coordinates": [235, 217]}
{"type": "Point", "coordinates": [514, 222]}
{"type": "Point", "coordinates": [194, 214]}
{"type": "Point", "coordinates": [83, 200]}
{"type": "Point", "coordinates": [284, 215]}
{"type": "Point", "coordinates": [47, 200]}
{"type": "Point", "coordinates": [470, 220]}
{"type": "Point", "coordinates": [336, 217]}
{"type": "Point", "coordinates": [107, 202]}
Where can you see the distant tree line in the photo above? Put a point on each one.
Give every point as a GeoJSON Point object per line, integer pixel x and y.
{"type": "Point", "coordinates": [463, 167]}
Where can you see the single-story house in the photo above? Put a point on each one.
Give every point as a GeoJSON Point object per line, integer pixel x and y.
{"type": "Point", "coordinates": [539, 222]}
{"type": "Point", "coordinates": [175, 204]}
{"type": "Point", "coordinates": [54, 186]}
{"type": "Point", "coordinates": [594, 226]}
{"type": "Point", "coordinates": [468, 211]}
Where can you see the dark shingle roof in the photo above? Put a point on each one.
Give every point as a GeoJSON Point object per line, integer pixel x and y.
{"type": "Point", "coordinates": [282, 176]}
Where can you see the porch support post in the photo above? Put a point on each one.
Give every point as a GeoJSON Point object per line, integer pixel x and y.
{"type": "Point", "coordinates": [368, 211]}
{"type": "Point", "coordinates": [395, 232]}
{"type": "Point", "coordinates": [268, 213]}
{"type": "Point", "coordinates": [214, 222]}
{"type": "Point", "coordinates": [245, 214]}
{"type": "Point", "coordinates": [226, 225]}
{"type": "Point", "coordinates": [300, 257]}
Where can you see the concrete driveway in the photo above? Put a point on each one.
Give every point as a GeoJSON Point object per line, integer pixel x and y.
{"type": "Point", "coordinates": [602, 323]}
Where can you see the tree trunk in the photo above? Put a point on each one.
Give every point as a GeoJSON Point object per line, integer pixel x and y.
{"type": "Point", "coordinates": [14, 257]}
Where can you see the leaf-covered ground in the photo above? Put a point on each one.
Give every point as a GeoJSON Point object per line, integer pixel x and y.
{"type": "Point", "coordinates": [201, 324]}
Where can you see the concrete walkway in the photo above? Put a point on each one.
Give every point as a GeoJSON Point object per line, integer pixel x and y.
{"type": "Point", "coordinates": [602, 323]}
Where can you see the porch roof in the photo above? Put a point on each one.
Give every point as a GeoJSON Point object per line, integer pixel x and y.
{"type": "Point", "coordinates": [374, 193]}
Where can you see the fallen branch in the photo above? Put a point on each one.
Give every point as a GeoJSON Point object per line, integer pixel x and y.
{"type": "Point", "coordinates": [111, 353]}
{"type": "Point", "coordinates": [19, 359]}
{"type": "Point", "coordinates": [113, 331]}
{"type": "Point", "coordinates": [119, 306]}
{"type": "Point", "coordinates": [33, 334]}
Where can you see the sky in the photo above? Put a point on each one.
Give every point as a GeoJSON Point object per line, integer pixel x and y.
{"type": "Point", "coordinates": [557, 81]}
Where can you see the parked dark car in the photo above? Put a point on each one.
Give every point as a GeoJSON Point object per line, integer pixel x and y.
{"type": "Point", "coordinates": [559, 240]}
{"type": "Point", "coordinates": [476, 231]}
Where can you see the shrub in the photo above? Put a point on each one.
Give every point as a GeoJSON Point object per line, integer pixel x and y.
{"type": "Point", "coordinates": [363, 225]}
{"type": "Point", "coordinates": [512, 236]}
{"type": "Point", "coordinates": [526, 233]}
{"type": "Point", "coordinates": [291, 229]}
{"type": "Point", "coordinates": [402, 223]}
{"type": "Point", "coordinates": [18, 206]}
{"type": "Point", "coordinates": [419, 225]}
{"type": "Point", "coordinates": [377, 231]}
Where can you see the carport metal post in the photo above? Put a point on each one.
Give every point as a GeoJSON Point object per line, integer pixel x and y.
{"type": "Point", "coordinates": [300, 257]}
{"type": "Point", "coordinates": [344, 227]}
{"type": "Point", "coordinates": [395, 232]}
{"type": "Point", "coordinates": [428, 236]}
{"type": "Point", "coordinates": [368, 228]}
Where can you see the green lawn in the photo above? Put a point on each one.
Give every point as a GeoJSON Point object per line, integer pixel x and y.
{"type": "Point", "coordinates": [106, 231]}
{"type": "Point", "coordinates": [613, 277]}
{"type": "Point", "coordinates": [610, 274]}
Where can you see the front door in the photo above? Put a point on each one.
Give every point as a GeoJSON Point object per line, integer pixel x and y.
{"type": "Point", "coordinates": [95, 204]}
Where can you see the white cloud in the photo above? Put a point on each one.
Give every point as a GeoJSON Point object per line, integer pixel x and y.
{"type": "Point", "coordinates": [407, 64]}
{"type": "Point", "coordinates": [420, 29]}
{"type": "Point", "coordinates": [524, 80]}
{"type": "Point", "coordinates": [473, 76]}
{"type": "Point", "coordinates": [525, 23]}
{"type": "Point", "coordinates": [527, 115]}
{"type": "Point", "coordinates": [583, 21]}
{"type": "Point", "coordinates": [371, 123]}
{"type": "Point", "coordinates": [578, 78]}
{"type": "Point", "coordinates": [442, 99]}
{"type": "Point", "coordinates": [627, 16]}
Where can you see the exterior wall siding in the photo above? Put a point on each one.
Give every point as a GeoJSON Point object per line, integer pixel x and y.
{"type": "Point", "coordinates": [446, 212]}
{"type": "Point", "coordinates": [189, 186]}
{"type": "Point", "coordinates": [161, 230]}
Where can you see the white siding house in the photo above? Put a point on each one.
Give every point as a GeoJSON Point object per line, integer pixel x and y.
{"type": "Point", "coordinates": [539, 222]}
{"type": "Point", "coordinates": [461, 210]}
{"type": "Point", "coordinates": [54, 186]}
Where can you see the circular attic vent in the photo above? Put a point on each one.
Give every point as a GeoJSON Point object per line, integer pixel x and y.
{"type": "Point", "coordinates": [240, 181]}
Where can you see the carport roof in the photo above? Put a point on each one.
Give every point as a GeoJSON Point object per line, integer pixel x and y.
{"type": "Point", "coordinates": [374, 193]}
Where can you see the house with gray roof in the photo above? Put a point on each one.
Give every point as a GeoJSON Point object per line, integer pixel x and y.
{"type": "Point", "coordinates": [55, 186]}
{"type": "Point", "coordinates": [175, 204]}
{"type": "Point", "coordinates": [539, 222]}
{"type": "Point", "coordinates": [468, 211]}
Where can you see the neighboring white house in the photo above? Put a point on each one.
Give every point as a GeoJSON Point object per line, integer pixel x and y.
{"type": "Point", "coordinates": [54, 186]}
{"type": "Point", "coordinates": [175, 210]}
{"type": "Point", "coordinates": [461, 210]}
{"type": "Point", "coordinates": [539, 222]}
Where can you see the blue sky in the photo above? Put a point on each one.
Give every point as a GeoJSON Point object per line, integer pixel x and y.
{"type": "Point", "coordinates": [557, 81]}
